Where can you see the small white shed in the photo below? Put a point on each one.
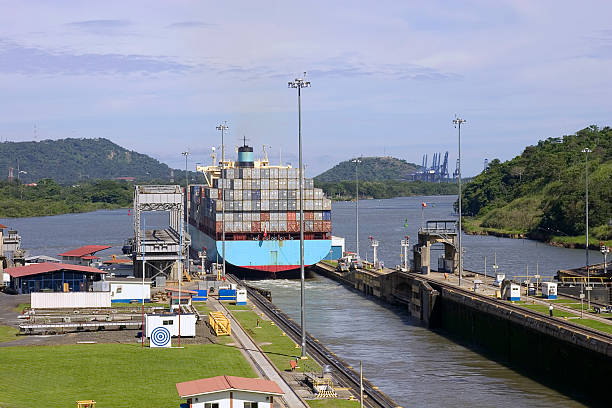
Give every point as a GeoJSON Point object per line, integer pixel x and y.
{"type": "Point", "coordinates": [125, 290]}
{"type": "Point", "coordinates": [227, 391]}
{"type": "Point", "coordinates": [549, 290]}
{"type": "Point", "coordinates": [171, 322]}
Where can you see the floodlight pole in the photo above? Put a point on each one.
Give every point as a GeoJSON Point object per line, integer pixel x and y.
{"type": "Point", "coordinates": [357, 161]}
{"type": "Point", "coordinates": [144, 234]}
{"type": "Point", "coordinates": [586, 152]}
{"type": "Point", "coordinates": [223, 127]}
{"type": "Point", "coordinates": [458, 122]}
{"type": "Point", "coordinates": [300, 83]}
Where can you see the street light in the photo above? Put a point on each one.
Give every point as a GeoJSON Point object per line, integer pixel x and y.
{"type": "Point", "coordinates": [586, 152]}
{"type": "Point", "coordinates": [223, 127]}
{"type": "Point", "coordinates": [181, 262]}
{"type": "Point", "coordinates": [605, 250]}
{"type": "Point", "coordinates": [357, 161]}
{"type": "Point", "coordinates": [458, 122]}
{"type": "Point", "coordinates": [300, 83]}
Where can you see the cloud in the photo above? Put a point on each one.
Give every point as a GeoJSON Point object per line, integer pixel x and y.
{"type": "Point", "coordinates": [100, 27]}
{"type": "Point", "coordinates": [18, 59]}
{"type": "Point", "coordinates": [189, 24]}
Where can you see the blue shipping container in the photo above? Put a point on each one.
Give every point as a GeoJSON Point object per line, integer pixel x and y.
{"type": "Point", "coordinates": [227, 294]}
{"type": "Point", "coordinates": [202, 295]}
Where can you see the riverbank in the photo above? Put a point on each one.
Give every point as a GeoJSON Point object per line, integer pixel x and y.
{"type": "Point", "coordinates": [472, 226]}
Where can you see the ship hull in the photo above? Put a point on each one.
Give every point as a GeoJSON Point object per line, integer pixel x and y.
{"type": "Point", "coordinates": [261, 255]}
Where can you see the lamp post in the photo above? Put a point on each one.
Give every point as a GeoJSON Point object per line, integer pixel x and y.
{"type": "Point", "coordinates": [223, 127]}
{"type": "Point", "coordinates": [605, 250]}
{"type": "Point", "coordinates": [181, 262]}
{"type": "Point", "coordinates": [357, 161]}
{"type": "Point", "coordinates": [586, 152]}
{"type": "Point", "coordinates": [300, 83]}
{"type": "Point", "coordinates": [458, 122]}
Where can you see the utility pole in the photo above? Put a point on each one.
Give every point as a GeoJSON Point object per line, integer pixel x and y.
{"type": "Point", "coordinates": [300, 83]}
{"type": "Point", "coordinates": [458, 122]}
{"type": "Point", "coordinates": [356, 161]}
{"type": "Point", "coordinates": [223, 127]}
{"type": "Point", "coordinates": [586, 152]}
{"type": "Point", "coordinates": [605, 250]}
{"type": "Point", "coordinates": [181, 262]}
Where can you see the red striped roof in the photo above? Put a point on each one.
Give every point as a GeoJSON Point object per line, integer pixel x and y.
{"type": "Point", "coordinates": [225, 383]}
{"type": "Point", "coordinates": [35, 269]}
{"type": "Point", "coordinates": [86, 250]}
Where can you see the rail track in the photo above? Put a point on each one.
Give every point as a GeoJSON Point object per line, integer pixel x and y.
{"type": "Point", "coordinates": [342, 372]}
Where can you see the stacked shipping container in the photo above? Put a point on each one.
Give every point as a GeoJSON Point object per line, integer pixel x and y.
{"type": "Point", "coordinates": [259, 200]}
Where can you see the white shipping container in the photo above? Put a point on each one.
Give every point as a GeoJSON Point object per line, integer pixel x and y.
{"type": "Point", "coordinates": [171, 322]}
{"type": "Point", "coordinates": [59, 300]}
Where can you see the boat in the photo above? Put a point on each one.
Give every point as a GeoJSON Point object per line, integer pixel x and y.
{"type": "Point", "coordinates": [262, 213]}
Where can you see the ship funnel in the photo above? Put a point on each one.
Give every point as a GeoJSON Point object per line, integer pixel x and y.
{"type": "Point", "coordinates": [245, 156]}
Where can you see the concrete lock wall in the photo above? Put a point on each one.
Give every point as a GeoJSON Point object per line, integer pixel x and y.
{"type": "Point", "coordinates": [59, 300]}
{"type": "Point", "coordinates": [538, 348]}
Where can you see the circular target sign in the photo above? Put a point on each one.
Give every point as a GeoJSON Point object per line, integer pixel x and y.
{"type": "Point", "coordinates": [160, 337]}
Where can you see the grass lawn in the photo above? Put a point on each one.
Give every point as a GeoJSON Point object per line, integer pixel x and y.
{"type": "Point", "coordinates": [333, 403]}
{"type": "Point", "coordinates": [19, 308]}
{"type": "Point", "coordinates": [152, 304]}
{"type": "Point", "coordinates": [594, 324]}
{"type": "Point", "coordinates": [231, 306]}
{"type": "Point", "coordinates": [544, 310]}
{"type": "Point", "coordinates": [330, 262]}
{"type": "Point", "coordinates": [201, 307]}
{"type": "Point", "coordinates": [280, 349]}
{"type": "Point", "coordinates": [561, 301]}
{"type": "Point", "coordinates": [114, 375]}
{"type": "Point", "coordinates": [8, 333]}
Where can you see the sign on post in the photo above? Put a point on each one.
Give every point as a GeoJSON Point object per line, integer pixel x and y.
{"type": "Point", "coordinates": [160, 337]}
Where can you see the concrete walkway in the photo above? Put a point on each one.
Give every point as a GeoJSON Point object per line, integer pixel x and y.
{"type": "Point", "coordinates": [259, 360]}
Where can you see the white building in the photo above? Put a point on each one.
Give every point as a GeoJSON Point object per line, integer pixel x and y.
{"type": "Point", "coordinates": [125, 290]}
{"type": "Point", "coordinates": [227, 391]}
{"type": "Point", "coordinates": [171, 322]}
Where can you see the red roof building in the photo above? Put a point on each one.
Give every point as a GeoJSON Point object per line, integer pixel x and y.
{"type": "Point", "coordinates": [53, 276]}
{"type": "Point", "coordinates": [236, 390]}
{"type": "Point", "coordinates": [84, 255]}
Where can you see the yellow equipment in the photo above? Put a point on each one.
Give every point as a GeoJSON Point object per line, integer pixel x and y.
{"type": "Point", "coordinates": [219, 323]}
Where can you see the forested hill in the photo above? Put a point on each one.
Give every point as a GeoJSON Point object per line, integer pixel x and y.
{"type": "Point", "coordinates": [72, 160]}
{"type": "Point", "coordinates": [542, 191]}
{"type": "Point", "coordinates": [370, 169]}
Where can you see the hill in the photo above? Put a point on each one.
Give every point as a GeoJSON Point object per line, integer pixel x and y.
{"type": "Point", "coordinates": [370, 169]}
{"type": "Point", "coordinates": [541, 193]}
{"type": "Point", "coordinates": [73, 160]}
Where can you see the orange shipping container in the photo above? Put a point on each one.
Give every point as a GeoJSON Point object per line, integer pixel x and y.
{"type": "Point", "coordinates": [308, 215]}
{"type": "Point", "coordinates": [219, 225]}
{"type": "Point", "coordinates": [264, 216]}
{"type": "Point", "coordinates": [255, 226]}
{"type": "Point", "coordinates": [290, 216]}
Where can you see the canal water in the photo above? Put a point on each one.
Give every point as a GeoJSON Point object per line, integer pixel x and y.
{"type": "Point", "coordinates": [413, 365]}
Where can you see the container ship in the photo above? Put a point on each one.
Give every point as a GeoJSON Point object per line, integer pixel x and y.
{"type": "Point", "coordinates": [262, 214]}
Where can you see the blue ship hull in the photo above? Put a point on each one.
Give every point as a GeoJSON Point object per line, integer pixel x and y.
{"type": "Point", "coordinates": [261, 255]}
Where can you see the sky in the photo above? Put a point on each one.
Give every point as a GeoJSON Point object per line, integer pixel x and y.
{"type": "Point", "coordinates": [387, 77]}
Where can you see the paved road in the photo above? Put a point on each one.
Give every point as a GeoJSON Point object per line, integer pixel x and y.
{"type": "Point", "coordinates": [259, 359]}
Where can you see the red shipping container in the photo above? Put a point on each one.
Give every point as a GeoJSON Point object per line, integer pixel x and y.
{"type": "Point", "coordinates": [219, 225]}
{"type": "Point", "coordinates": [255, 226]}
{"type": "Point", "coordinates": [308, 215]}
{"type": "Point", "coordinates": [290, 216]}
{"type": "Point", "coordinates": [264, 216]}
